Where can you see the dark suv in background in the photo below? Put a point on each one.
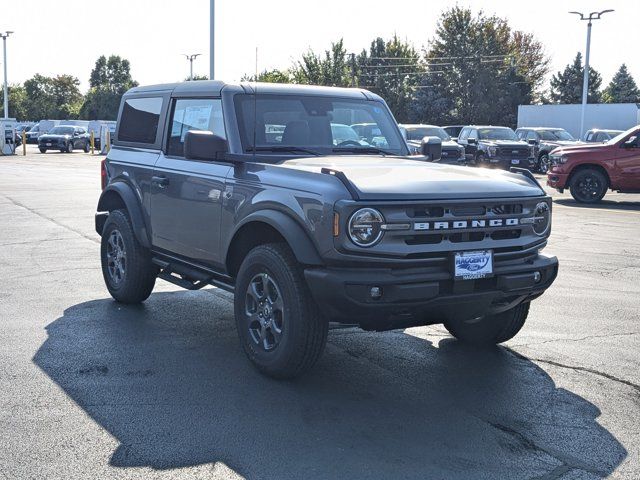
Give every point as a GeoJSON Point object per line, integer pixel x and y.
{"type": "Point", "coordinates": [544, 140]}
{"type": "Point", "coordinates": [452, 153]}
{"type": "Point", "coordinates": [65, 138]}
{"type": "Point", "coordinates": [495, 147]}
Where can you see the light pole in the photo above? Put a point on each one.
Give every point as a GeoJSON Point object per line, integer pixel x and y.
{"type": "Point", "coordinates": [6, 85]}
{"type": "Point", "coordinates": [212, 43]}
{"type": "Point", "coordinates": [585, 79]}
{"type": "Point", "coordinates": [191, 58]}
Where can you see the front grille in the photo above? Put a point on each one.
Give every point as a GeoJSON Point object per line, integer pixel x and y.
{"type": "Point", "coordinates": [515, 152]}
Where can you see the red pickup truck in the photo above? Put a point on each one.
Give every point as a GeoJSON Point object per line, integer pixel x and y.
{"type": "Point", "coordinates": [588, 171]}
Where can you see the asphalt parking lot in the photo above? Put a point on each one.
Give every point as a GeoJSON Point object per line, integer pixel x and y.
{"type": "Point", "coordinates": [93, 389]}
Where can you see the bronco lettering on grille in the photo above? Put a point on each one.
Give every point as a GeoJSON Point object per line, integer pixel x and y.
{"type": "Point", "coordinates": [457, 224]}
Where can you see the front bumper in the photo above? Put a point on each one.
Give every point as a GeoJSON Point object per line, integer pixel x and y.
{"type": "Point", "coordinates": [507, 163]}
{"type": "Point", "coordinates": [423, 296]}
{"type": "Point", "coordinates": [557, 180]}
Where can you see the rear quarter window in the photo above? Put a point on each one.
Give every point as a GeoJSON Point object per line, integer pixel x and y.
{"type": "Point", "coordinates": [139, 120]}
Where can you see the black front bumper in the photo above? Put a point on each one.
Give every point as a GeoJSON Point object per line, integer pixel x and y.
{"type": "Point", "coordinates": [424, 296]}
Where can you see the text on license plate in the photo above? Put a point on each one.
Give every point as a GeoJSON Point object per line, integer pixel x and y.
{"type": "Point", "coordinates": [515, 162]}
{"type": "Point", "coordinates": [473, 265]}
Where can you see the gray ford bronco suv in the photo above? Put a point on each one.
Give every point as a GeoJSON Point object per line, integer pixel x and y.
{"type": "Point", "coordinates": [245, 187]}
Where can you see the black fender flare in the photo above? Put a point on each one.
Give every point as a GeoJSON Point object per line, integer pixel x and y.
{"type": "Point", "coordinates": [134, 209]}
{"type": "Point", "coordinates": [295, 235]}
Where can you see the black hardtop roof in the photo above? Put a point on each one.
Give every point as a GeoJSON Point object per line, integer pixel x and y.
{"type": "Point", "coordinates": [214, 87]}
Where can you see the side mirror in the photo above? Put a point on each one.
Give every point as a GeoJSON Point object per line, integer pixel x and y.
{"type": "Point", "coordinates": [203, 145]}
{"type": "Point", "coordinates": [431, 147]}
{"type": "Point", "coordinates": [471, 141]}
{"type": "Point", "coordinates": [532, 141]}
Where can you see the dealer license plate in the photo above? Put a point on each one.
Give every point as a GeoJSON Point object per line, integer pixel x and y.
{"type": "Point", "coordinates": [515, 162]}
{"type": "Point", "coordinates": [48, 144]}
{"type": "Point", "coordinates": [473, 265]}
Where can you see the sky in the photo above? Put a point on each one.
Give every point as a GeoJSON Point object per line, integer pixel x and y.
{"type": "Point", "coordinates": [66, 36]}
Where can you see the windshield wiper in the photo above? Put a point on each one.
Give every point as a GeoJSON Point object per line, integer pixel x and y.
{"type": "Point", "coordinates": [283, 149]}
{"type": "Point", "coordinates": [363, 150]}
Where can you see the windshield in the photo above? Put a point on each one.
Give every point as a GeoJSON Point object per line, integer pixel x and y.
{"type": "Point", "coordinates": [61, 131]}
{"type": "Point", "coordinates": [554, 135]}
{"type": "Point", "coordinates": [418, 133]}
{"type": "Point", "coordinates": [622, 135]}
{"type": "Point", "coordinates": [497, 134]}
{"type": "Point", "coordinates": [323, 125]}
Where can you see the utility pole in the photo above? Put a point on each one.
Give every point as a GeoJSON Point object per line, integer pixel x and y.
{"type": "Point", "coordinates": [585, 80]}
{"type": "Point", "coordinates": [212, 43]}
{"type": "Point", "coordinates": [353, 69]}
{"type": "Point", "coordinates": [6, 85]}
{"type": "Point", "coordinates": [191, 58]}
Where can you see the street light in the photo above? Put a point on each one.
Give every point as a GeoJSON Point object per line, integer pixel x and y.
{"type": "Point", "coordinates": [191, 58]}
{"type": "Point", "coordinates": [6, 85]}
{"type": "Point", "coordinates": [212, 37]}
{"type": "Point", "coordinates": [585, 80]}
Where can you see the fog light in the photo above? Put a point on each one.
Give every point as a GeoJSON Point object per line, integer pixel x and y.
{"type": "Point", "coordinates": [375, 293]}
{"type": "Point", "coordinates": [537, 277]}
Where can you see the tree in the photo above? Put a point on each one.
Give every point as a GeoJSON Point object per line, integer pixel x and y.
{"type": "Point", "coordinates": [197, 77]}
{"type": "Point", "coordinates": [270, 76]}
{"type": "Point", "coordinates": [566, 86]}
{"type": "Point", "coordinates": [52, 97]}
{"type": "Point", "coordinates": [332, 69]}
{"type": "Point", "coordinates": [17, 102]}
{"type": "Point", "coordinates": [478, 70]}
{"type": "Point", "coordinates": [391, 69]}
{"type": "Point", "coordinates": [109, 80]}
{"type": "Point", "coordinates": [622, 89]}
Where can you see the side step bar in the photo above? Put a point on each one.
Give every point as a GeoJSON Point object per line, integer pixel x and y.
{"type": "Point", "coordinates": [190, 278]}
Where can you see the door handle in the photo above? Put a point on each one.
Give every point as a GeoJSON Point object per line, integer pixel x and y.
{"type": "Point", "coordinates": [160, 181]}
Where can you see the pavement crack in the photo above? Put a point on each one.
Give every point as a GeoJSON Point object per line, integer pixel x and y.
{"type": "Point", "coordinates": [565, 339]}
{"type": "Point", "coordinates": [567, 462]}
{"type": "Point", "coordinates": [53, 220]}
{"type": "Point", "coordinates": [608, 376]}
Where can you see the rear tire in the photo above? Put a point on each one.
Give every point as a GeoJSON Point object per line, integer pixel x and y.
{"type": "Point", "coordinates": [588, 186]}
{"type": "Point", "coordinates": [491, 329]}
{"type": "Point", "coordinates": [86, 148]}
{"type": "Point", "coordinates": [126, 265]}
{"type": "Point", "coordinates": [279, 325]}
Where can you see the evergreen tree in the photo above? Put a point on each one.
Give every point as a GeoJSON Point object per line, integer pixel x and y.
{"type": "Point", "coordinates": [566, 86]}
{"type": "Point", "coordinates": [622, 89]}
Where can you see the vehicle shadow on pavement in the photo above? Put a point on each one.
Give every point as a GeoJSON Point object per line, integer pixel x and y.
{"type": "Point", "coordinates": [602, 204]}
{"type": "Point", "coordinates": [170, 382]}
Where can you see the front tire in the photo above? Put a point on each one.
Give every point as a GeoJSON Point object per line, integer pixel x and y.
{"type": "Point", "coordinates": [126, 265]}
{"type": "Point", "coordinates": [43, 150]}
{"type": "Point", "coordinates": [588, 186]}
{"type": "Point", "coordinates": [490, 329]}
{"type": "Point", "coordinates": [543, 163]}
{"type": "Point", "coordinates": [87, 147]}
{"type": "Point", "coordinates": [69, 147]}
{"type": "Point", "coordinates": [279, 325]}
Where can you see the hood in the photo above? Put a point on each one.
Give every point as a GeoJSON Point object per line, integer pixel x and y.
{"type": "Point", "coordinates": [449, 144]}
{"type": "Point", "coordinates": [563, 143]}
{"type": "Point", "coordinates": [53, 136]}
{"type": "Point", "coordinates": [582, 148]}
{"type": "Point", "coordinates": [400, 178]}
{"type": "Point", "coordinates": [505, 143]}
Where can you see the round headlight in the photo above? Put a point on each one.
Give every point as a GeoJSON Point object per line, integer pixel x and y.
{"type": "Point", "coordinates": [541, 218]}
{"type": "Point", "coordinates": [365, 227]}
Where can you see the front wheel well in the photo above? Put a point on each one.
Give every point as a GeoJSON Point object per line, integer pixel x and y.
{"type": "Point", "coordinates": [111, 201]}
{"type": "Point", "coordinates": [247, 238]}
{"type": "Point", "coordinates": [588, 166]}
